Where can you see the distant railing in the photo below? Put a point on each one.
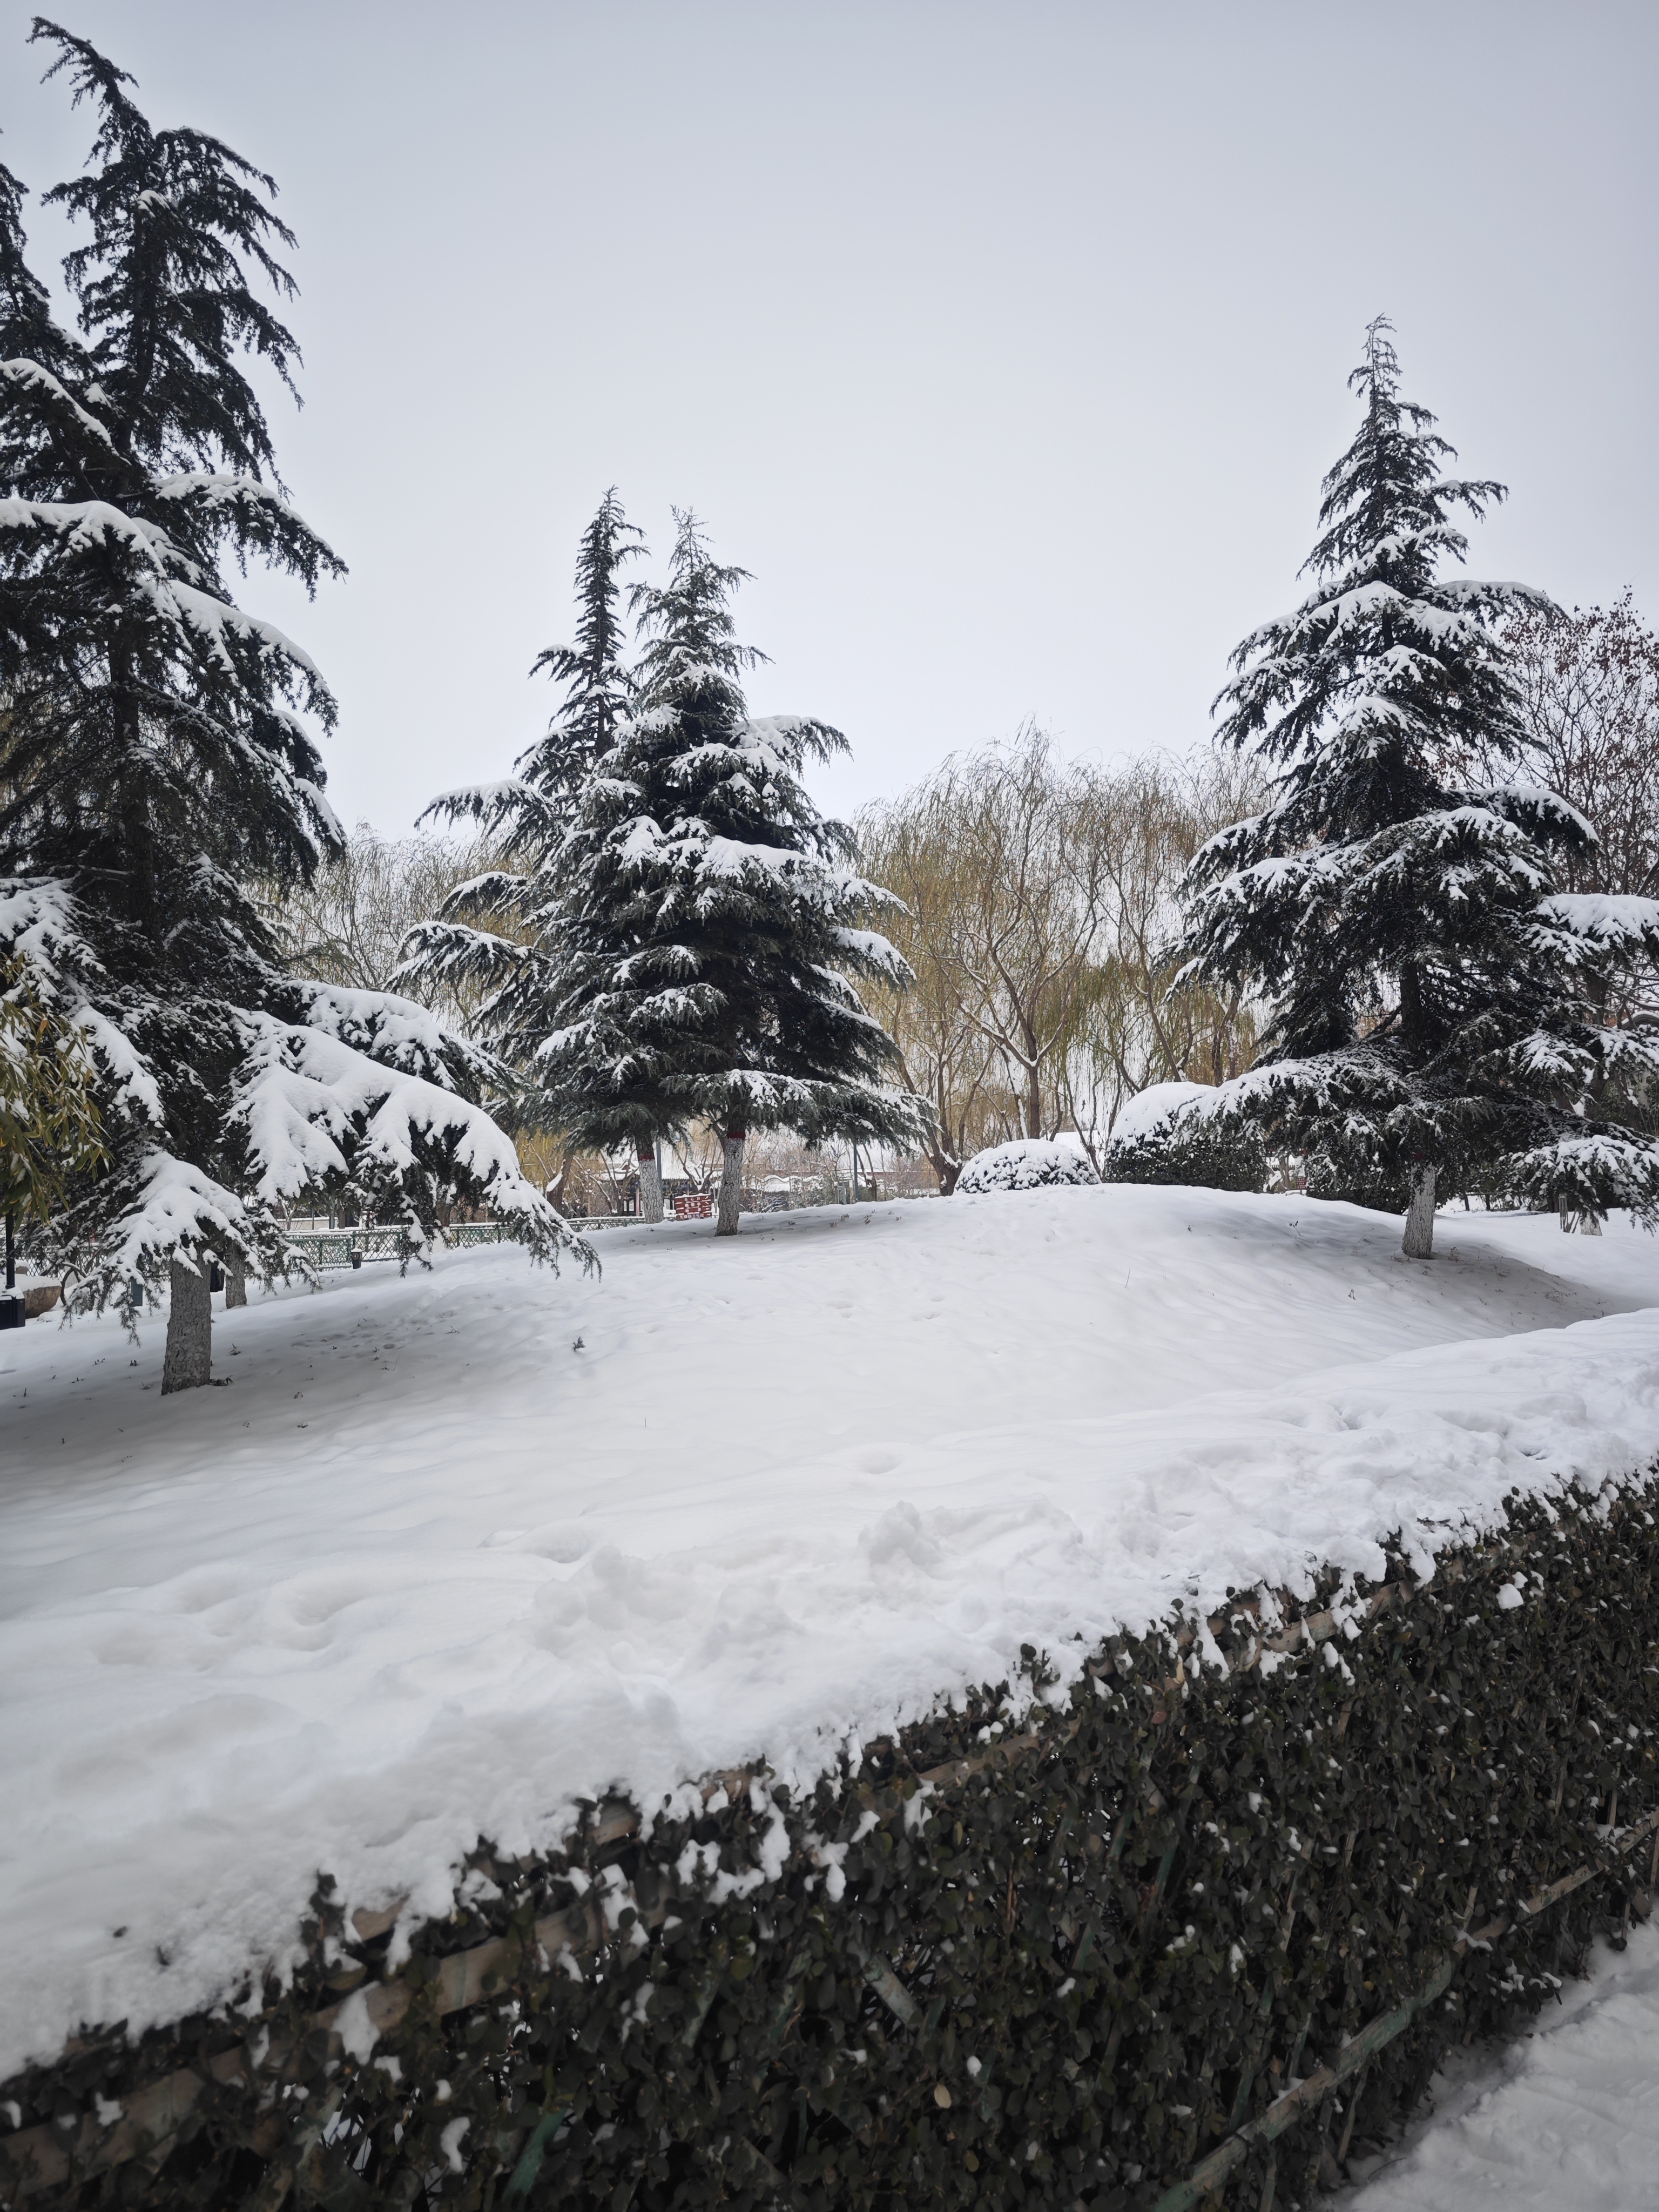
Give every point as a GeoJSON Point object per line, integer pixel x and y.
{"type": "Point", "coordinates": [335, 1247]}
{"type": "Point", "coordinates": [476, 1232]}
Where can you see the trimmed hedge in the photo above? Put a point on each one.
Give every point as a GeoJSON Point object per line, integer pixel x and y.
{"type": "Point", "coordinates": [1024, 1955]}
{"type": "Point", "coordinates": [1227, 1154]}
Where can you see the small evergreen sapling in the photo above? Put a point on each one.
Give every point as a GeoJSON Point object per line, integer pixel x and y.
{"type": "Point", "coordinates": [709, 923]}
{"type": "Point", "coordinates": [1430, 1025]}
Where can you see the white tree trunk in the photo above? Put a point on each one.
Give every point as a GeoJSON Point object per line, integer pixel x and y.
{"type": "Point", "coordinates": [730, 1207]}
{"type": "Point", "coordinates": [235, 1285]}
{"type": "Point", "coordinates": [650, 1184]}
{"type": "Point", "coordinates": [1418, 1241]}
{"type": "Point", "coordinates": [188, 1363]}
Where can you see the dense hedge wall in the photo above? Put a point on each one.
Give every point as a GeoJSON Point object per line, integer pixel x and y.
{"type": "Point", "coordinates": [1213, 1155]}
{"type": "Point", "coordinates": [1052, 1956]}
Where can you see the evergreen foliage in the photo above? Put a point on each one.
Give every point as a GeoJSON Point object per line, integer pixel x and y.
{"type": "Point", "coordinates": [1206, 1921]}
{"type": "Point", "coordinates": [1189, 1143]}
{"type": "Point", "coordinates": [677, 944]}
{"type": "Point", "coordinates": [158, 750]}
{"type": "Point", "coordinates": [494, 933]}
{"type": "Point", "coordinates": [709, 918]}
{"type": "Point", "coordinates": [1427, 984]}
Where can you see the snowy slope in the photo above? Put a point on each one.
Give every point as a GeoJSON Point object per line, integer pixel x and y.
{"type": "Point", "coordinates": [454, 1549]}
{"type": "Point", "coordinates": [1564, 2119]}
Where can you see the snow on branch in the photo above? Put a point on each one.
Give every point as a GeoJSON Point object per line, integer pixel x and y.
{"type": "Point", "coordinates": [874, 955]}
{"type": "Point", "coordinates": [205, 487]}
{"type": "Point", "coordinates": [29, 376]}
{"type": "Point", "coordinates": [396, 1033]}
{"type": "Point", "coordinates": [173, 1210]}
{"type": "Point", "coordinates": [1592, 1174]}
{"type": "Point", "coordinates": [1601, 922]}
{"type": "Point", "coordinates": [319, 1113]}
{"type": "Point", "coordinates": [39, 926]}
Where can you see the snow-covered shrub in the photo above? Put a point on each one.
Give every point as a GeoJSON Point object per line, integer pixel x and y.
{"type": "Point", "coordinates": [979, 1941]}
{"type": "Point", "coordinates": [1350, 1839]}
{"type": "Point", "coordinates": [1170, 1135]}
{"type": "Point", "coordinates": [1025, 1164]}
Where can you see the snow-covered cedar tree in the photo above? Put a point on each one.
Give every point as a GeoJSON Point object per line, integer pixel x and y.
{"type": "Point", "coordinates": [1430, 1025]}
{"type": "Point", "coordinates": [707, 928]}
{"type": "Point", "coordinates": [1028, 1164]}
{"type": "Point", "coordinates": [1167, 1134]}
{"type": "Point", "coordinates": [156, 755]}
{"type": "Point", "coordinates": [497, 933]}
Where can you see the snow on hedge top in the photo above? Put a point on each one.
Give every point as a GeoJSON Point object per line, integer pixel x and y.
{"type": "Point", "coordinates": [1155, 1107]}
{"type": "Point", "coordinates": [1025, 1164]}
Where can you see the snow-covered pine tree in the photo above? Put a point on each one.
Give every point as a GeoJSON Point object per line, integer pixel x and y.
{"type": "Point", "coordinates": [1429, 1026]}
{"type": "Point", "coordinates": [709, 923]}
{"type": "Point", "coordinates": [157, 754]}
{"type": "Point", "coordinates": [492, 935]}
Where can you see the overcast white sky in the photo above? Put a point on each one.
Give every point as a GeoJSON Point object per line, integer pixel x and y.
{"type": "Point", "coordinates": [1005, 344]}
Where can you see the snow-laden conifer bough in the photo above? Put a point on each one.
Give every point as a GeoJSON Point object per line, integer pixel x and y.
{"type": "Point", "coordinates": [686, 929]}
{"type": "Point", "coordinates": [160, 758]}
{"type": "Point", "coordinates": [1435, 1024]}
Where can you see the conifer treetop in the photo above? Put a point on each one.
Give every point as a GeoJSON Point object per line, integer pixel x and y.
{"type": "Point", "coordinates": [599, 685]}
{"type": "Point", "coordinates": [490, 934]}
{"type": "Point", "coordinates": [1384, 649]}
{"type": "Point", "coordinates": [163, 294]}
{"type": "Point", "coordinates": [1397, 908]}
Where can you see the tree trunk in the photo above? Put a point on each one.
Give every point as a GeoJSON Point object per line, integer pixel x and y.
{"type": "Point", "coordinates": [1418, 1241]}
{"type": "Point", "coordinates": [731, 1145]}
{"type": "Point", "coordinates": [235, 1285]}
{"type": "Point", "coordinates": [1033, 1099]}
{"type": "Point", "coordinates": [650, 1184]}
{"type": "Point", "coordinates": [189, 1360]}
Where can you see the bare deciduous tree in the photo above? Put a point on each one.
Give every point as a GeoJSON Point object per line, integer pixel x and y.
{"type": "Point", "coordinates": [1590, 683]}
{"type": "Point", "coordinates": [348, 925]}
{"type": "Point", "coordinates": [1150, 818]}
{"type": "Point", "coordinates": [1039, 899]}
{"type": "Point", "coordinates": [947, 1057]}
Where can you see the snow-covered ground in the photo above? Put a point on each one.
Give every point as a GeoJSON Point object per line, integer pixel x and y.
{"type": "Point", "coordinates": [456, 1549]}
{"type": "Point", "coordinates": [1565, 2118]}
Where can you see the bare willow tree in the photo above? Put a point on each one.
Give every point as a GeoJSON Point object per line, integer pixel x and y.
{"type": "Point", "coordinates": [1039, 897]}
{"type": "Point", "coordinates": [1004, 909]}
{"type": "Point", "coordinates": [1149, 817]}
{"type": "Point", "coordinates": [347, 926]}
{"type": "Point", "coordinates": [948, 1059]}
{"type": "Point", "coordinates": [1589, 690]}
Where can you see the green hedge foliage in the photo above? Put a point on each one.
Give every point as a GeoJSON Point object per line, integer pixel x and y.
{"type": "Point", "coordinates": [1027, 1954]}
{"type": "Point", "coordinates": [1210, 1154]}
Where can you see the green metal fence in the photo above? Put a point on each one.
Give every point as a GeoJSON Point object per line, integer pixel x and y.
{"type": "Point", "coordinates": [334, 1247]}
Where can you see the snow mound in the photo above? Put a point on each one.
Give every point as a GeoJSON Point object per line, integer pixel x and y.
{"type": "Point", "coordinates": [1026, 1165]}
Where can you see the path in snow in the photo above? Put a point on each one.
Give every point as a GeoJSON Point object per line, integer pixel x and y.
{"type": "Point", "coordinates": [1565, 2119]}
{"type": "Point", "coordinates": [455, 1548]}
